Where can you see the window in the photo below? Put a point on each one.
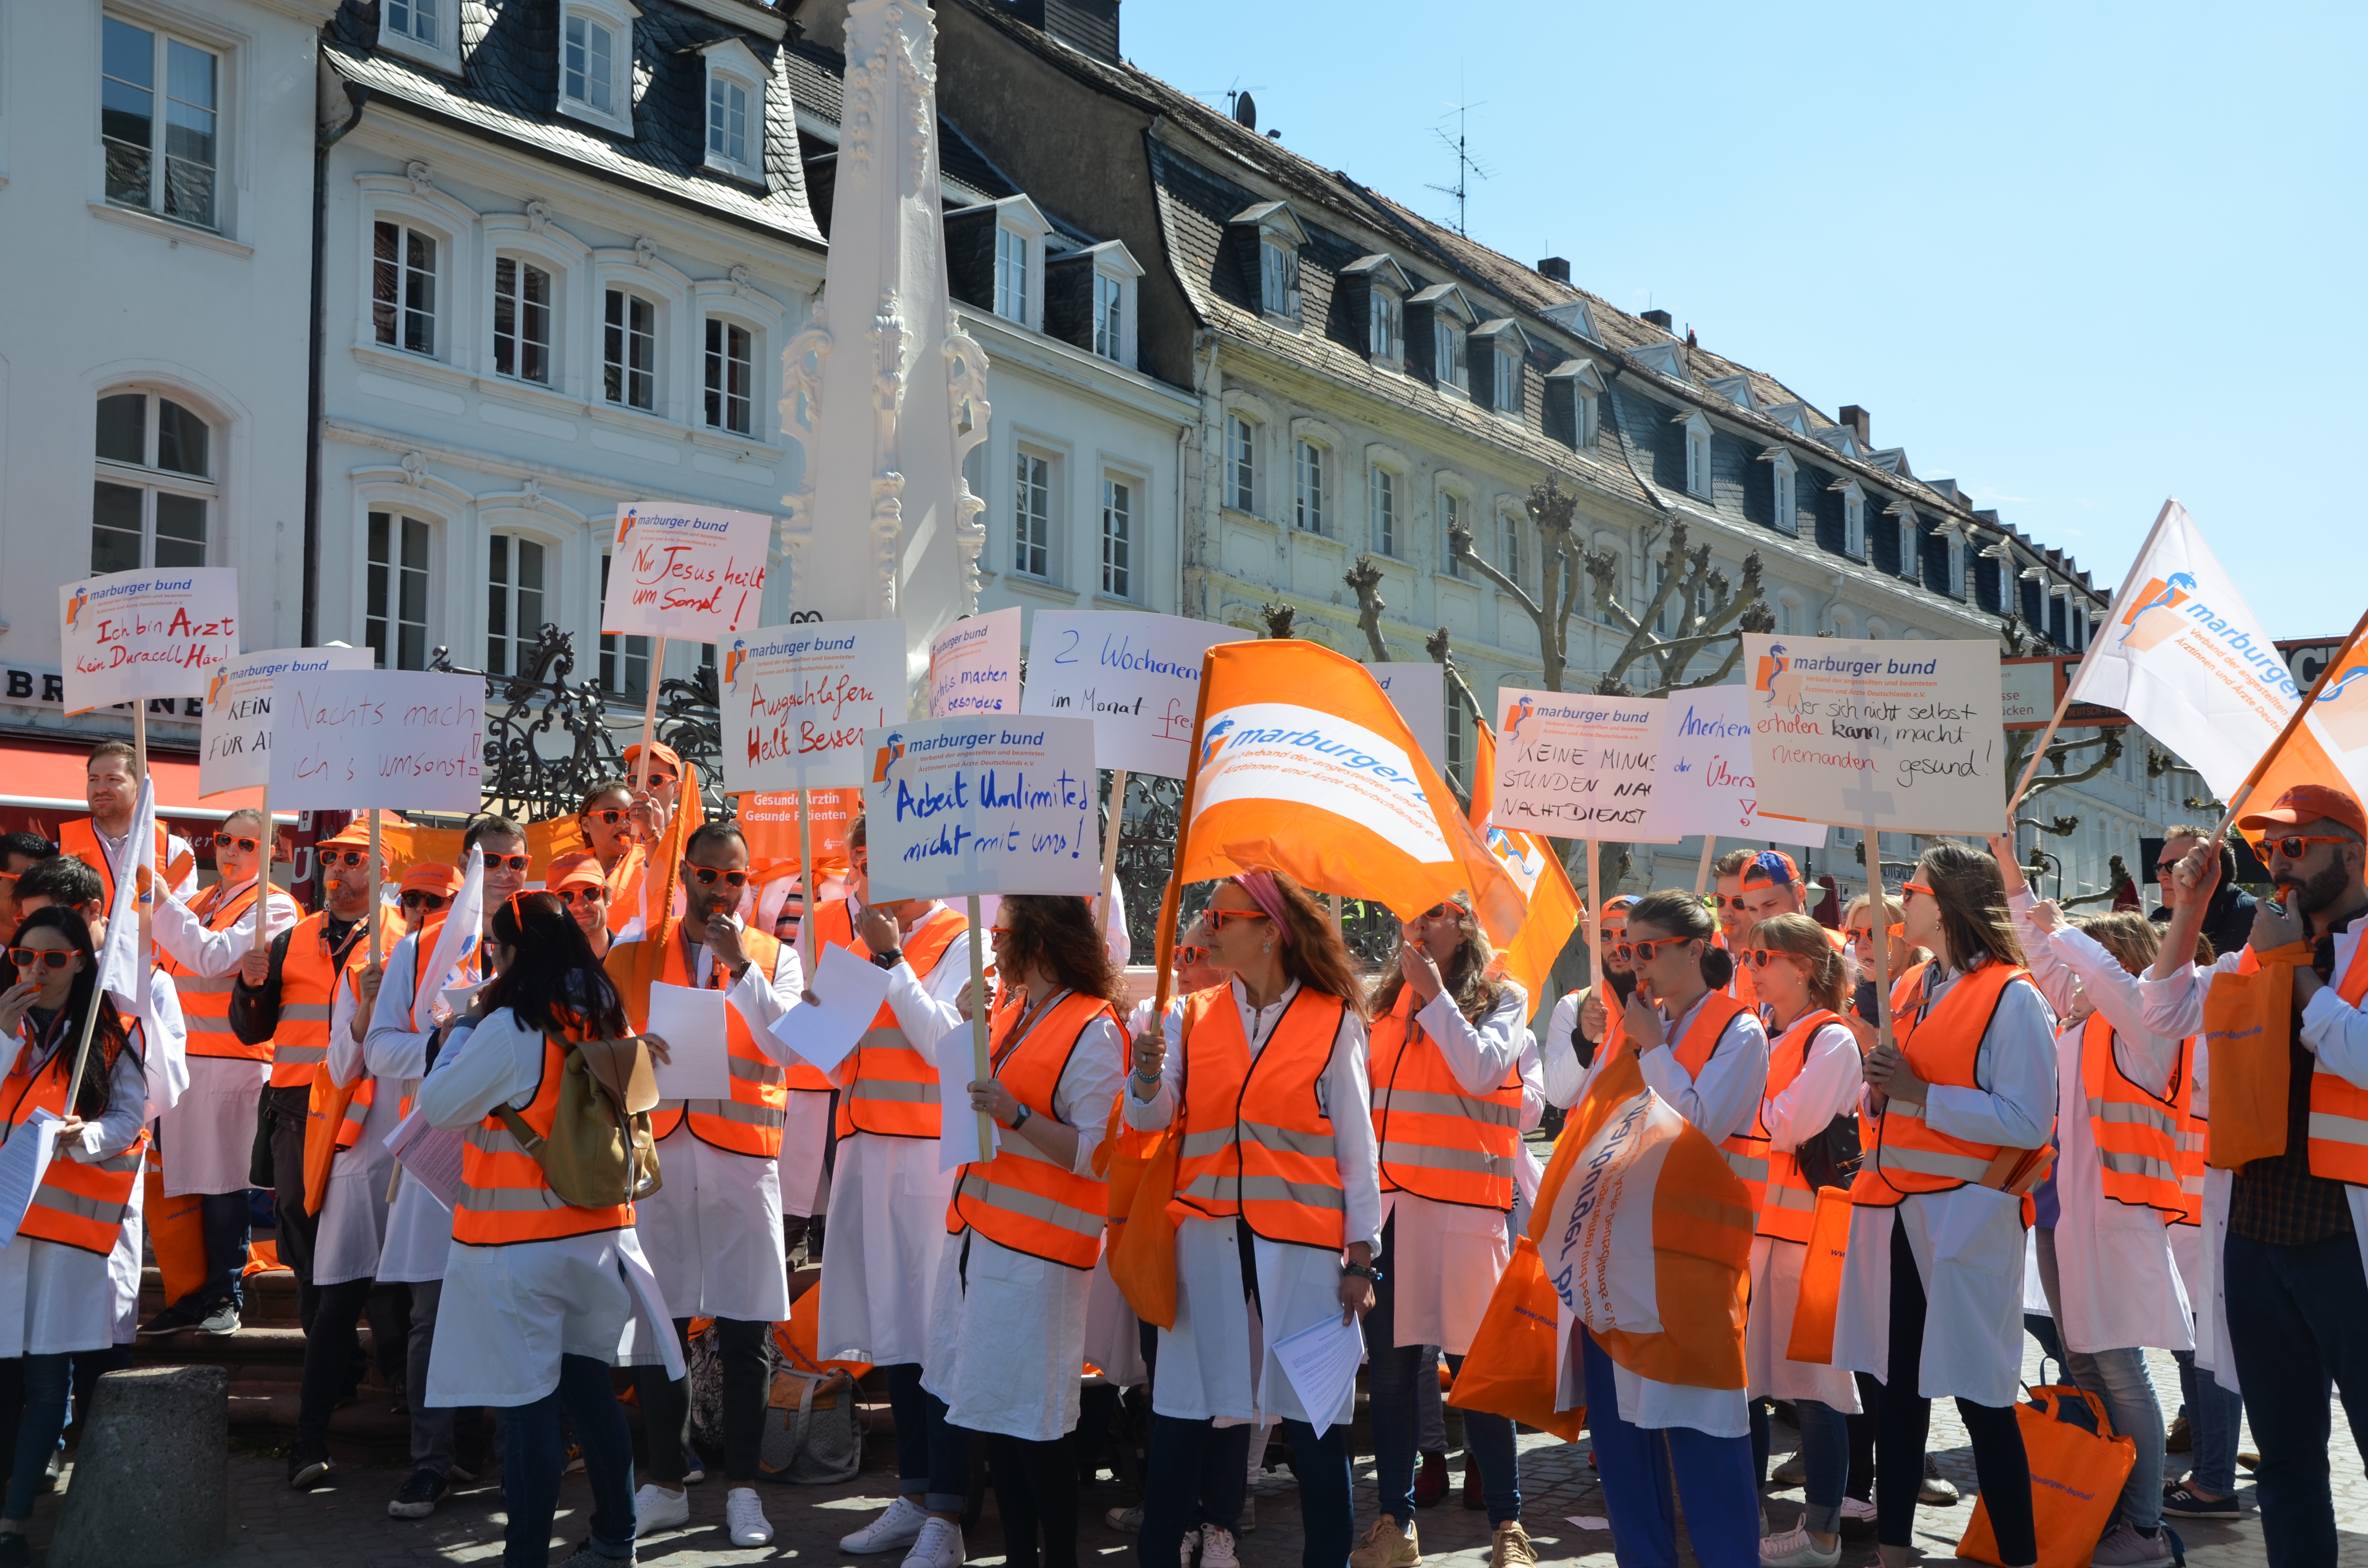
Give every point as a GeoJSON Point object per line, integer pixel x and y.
{"type": "Point", "coordinates": [1697, 456]}
{"type": "Point", "coordinates": [521, 320]}
{"type": "Point", "coordinates": [1505, 396]}
{"type": "Point", "coordinates": [410, 18]}
{"type": "Point", "coordinates": [731, 372]}
{"type": "Point", "coordinates": [1457, 743]}
{"type": "Point", "coordinates": [1786, 515]}
{"type": "Point", "coordinates": [403, 286]}
{"type": "Point", "coordinates": [1307, 495]}
{"type": "Point", "coordinates": [1383, 489]}
{"type": "Point", "coordinates": [1508, 545]}
{"type": "Point", "coordinates": [1110, 316]}
{"type": "Point", "coordinates": [1911, 562]}
{"type": "Point", "coordinates": [1011, 248]}
{"type": "Point", "coordinates": [1032, 554]}
{"type": "Point", "coordinates": [1386, 329]}
{"type": "Point", "coordinates": [513, 604]}
{"type": "Point", "coordinates": [154, 484]}
{"type": "Point", "coordinates": [727, 120]}
{"type": "Point", "coordinates": [623, 670]}
{"type": "Point", "coordinates": [1957, 567]}
{"type": "Point", "coordinates": [1450, 518]}
{"type": "Point", "coordinates": [1447, 369]}
{"type": "Point", "coordinates": [159, 158]}
{"type": "Point", "coordinates": [629, 351]}
{"type": "Point", "coordinates": [1786, 617]}
{"type": "Point", "coordinates": [1853, 523]}
{"type": "Point", "coordinates": [587, 68]}
{"type": "Point", "coordinates": [394, 616]}
{"type": "Point", "coordinates": [1241, 464]}
{"type": "Point", "coordinates": [1118, 537]}
{"type": "Point", "coordinates": [1277, 279]}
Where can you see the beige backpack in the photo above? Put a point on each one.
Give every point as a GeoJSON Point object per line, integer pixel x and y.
{"type": "Point", "coordinates": [600, 1152]}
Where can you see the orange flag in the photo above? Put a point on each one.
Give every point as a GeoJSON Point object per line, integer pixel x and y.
{"type": "Point", "coordinates": [1301, 764]}
{"type": "Point", "coordinates": [2329, 744]}
{"type": "Point", "coordinates": [1536, 869]}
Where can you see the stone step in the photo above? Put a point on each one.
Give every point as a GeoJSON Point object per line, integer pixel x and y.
{"type": "Point", "coordinates": [269, 1296]}
{"type": "Point", "coordinates": [364, 1430]}
{"type": "Point", "coordinates": [254, 1346]}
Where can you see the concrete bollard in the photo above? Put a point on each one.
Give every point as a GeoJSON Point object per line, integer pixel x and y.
{"type": "Point", "coordinates": [150, 1483]}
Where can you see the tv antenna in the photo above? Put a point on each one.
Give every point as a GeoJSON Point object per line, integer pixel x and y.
{"type": "Point", "coordinates": [1467, 167]}
{"type": "Point", "coordinates": [1240, 107]}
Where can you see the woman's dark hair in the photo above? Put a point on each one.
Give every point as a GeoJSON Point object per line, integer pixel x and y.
{"type": "Point", "coordinates": [1314, 956]}
{"type": "Point", "coordinates": [1056, 933]}
{"type": "Point", "coordinates": [108, 1038]}
{"type": "Point", "coordinates": [606, 784]}
{"type": "Point", "coordinates": [551, 974]}
{"type": "Point", "coordinates": [1965, 883]}
{"type": "Point", "coordinates": [1681, 914]}
{"type": "Point", "coordinates": [1465, 975]}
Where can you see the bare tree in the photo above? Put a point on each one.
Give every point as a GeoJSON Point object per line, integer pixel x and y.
{"type": "Point", "coordinates": [1278, 619]}
{"type": "Point", "coordinates": [1560, 560]}
{"type": "Point", "coordinates": [1710, 609]}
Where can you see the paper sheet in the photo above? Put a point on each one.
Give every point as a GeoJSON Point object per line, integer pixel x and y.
{"type": "Point", "coordinates": [459, 1001]}
{"type": "Point", "coordinates": [431, 1155]}
{"type": "Point", "coordinates": [1321, 1360]}
{"type": "Point", "coordinates": [23, 1159]}
{"type": "Point", "coordinates": [958, 1140]}
{"type": "Point", "coordinates": [691, 1020]}
{"type": "Point", "coordinates": [1588, 1521]}
{"type": "Point", "coordinates": [852, 990]}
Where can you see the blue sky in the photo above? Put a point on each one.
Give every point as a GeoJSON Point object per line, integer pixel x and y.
{"type": "Point", "coordinates": [2077, 257]}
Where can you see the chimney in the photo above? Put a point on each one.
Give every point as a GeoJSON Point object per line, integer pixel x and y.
{"type": "Point", "coordinates": [1859, 421]}
{"type": "Point", "coordinates": [1555, 267]}
{"type": "Point", "coordinates": [1661, 319]}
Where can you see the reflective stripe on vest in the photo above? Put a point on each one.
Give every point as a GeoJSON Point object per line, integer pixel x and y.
{"type": "Point", "coordinates": [1783, 1197]}
{"type": "Point", "coordinates": [308, 988]}
{"type": "Point", "coordinates": [2339, 1107]}
{"type": "Point", "coordinates": [1941, 1044]}
{"type": "Point", "coordinates": [205, 1004]}
{"type": "Point", "coordinates": [78, 1204]}
{"type": "Point", "coordinates": [1023, 1199]}
{"type": "Point", "coordinates": [750, 1122]}
{"type": "Point", "coordinates": [891, 1087]}
{"type": "Point", "coordinates": [1280, 1175]}
{"type": "Point", "coordinates": [2138, 1136]}
{"type": "Point", "coordinates": [1437, 1142]}
{"type": "Point", "coordinates": [79, 838]}
{"type": "Point", "coordinates": [1745, 1156]}
{"type": "Point", "coordinates": [504, 1198]}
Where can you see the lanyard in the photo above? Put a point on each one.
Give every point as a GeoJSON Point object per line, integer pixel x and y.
{"type": "Point", "coordinates": [1027, 1022]}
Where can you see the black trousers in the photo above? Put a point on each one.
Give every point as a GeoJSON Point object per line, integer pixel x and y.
{"type": "Point", "coordinates": [666, 1404]}
{"type": "Point", "coordinates": [1035, 1492]}
{"type": "Point", "coordinates": [1904, 1421]}
{"type": "Point", "coordinates": [333, 1363]}
{"type": "Point", "coordinates": [298, 1230]}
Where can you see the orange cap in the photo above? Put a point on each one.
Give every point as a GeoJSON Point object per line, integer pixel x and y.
{"type": "Point", "coordinates": [2307, 802]}
{"type": "Point", "coordinates": [657, 753]}
{"type": "Point", "coordinates": [579, 869]}
{"type": "Point", "coordinates": [432, 876]}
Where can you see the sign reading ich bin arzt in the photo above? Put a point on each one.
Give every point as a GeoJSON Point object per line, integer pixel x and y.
{"type": "Point", "coordinates": [696, 572]}
{"type": "Point", "coordinates": [134, 634]}
{"type": "Point", "coordinates": [1000, 804]}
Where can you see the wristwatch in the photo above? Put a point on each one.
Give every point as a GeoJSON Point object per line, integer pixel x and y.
{"type": "Point", "coordinates": [890, 959]}
{"type": "Point", "coordinates": [1362, 1271]}
{"type": "Point", "coordinates": [1021, 1119]}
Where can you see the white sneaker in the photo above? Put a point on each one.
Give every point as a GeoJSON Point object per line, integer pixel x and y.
{"type": "Point", "coordinates": [655, 1508]}
{"type": "Point", "coordinates": [1796, 1548]}
{"type": "Point", "coordinates": [1857, 1511]}
{"type": "Point", "coordinates": [746, 1516]}
{"type": "Point", "coordinates": [1217, 1547]}
{"type": "Point", "coordinates": [2123, 1547]}
{"type": "Point", "coordinates": [223, 1319]}
{"type": "Point", "coordinates": [897, 1526]}
{"type": "Point", "coordinates": [939, 1545]}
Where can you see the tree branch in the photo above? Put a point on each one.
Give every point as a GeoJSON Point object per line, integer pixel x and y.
{"type": "Point", "coordinates": [1366, 580]}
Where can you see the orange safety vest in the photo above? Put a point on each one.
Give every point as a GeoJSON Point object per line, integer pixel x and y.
{"type": "Point", "coordinates": [79, 838]}
{"type": "Point", "coordinates": [1785, 1200]}
{"type": "Point", "coordinates": [1906, 993]}
{"type": "Point", "coordinates": [205, 1004]}
{"type": "Point", "coordinates": [308, 992]}
{"type": "Point", "coordinates": [2193, 1143]}
{"type": "Point", "coordinates": [2137, 1135]}
{"type": "Point", "coordinates": [1746, 1158]}
{"type": "Point", "coordinates": [78, 1204]}
{"type": "Point", "coordinates": [504, 1198]}
{"type": "Point", "coordinates": [1436, 1141]}
{"type": "Point", "coordinates": [1941, 1044]}
{"type": "Point", "coordinates": [892, 1090]}
{"type": "Point", "coordinates": [1021, 1197]}
{"type": "Point", "coordinates": [2339, 1107]}
{"type": "Point", "coordinates": [750, 1122]}
{"type": "Point", "coordinates": [1279, 1173]}
{"type": "Point", "coordinates": [624, 880]}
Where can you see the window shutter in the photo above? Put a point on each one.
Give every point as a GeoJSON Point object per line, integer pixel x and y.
{"type": "Point", "coordinates": [1420, 341]}
{"type": "Point", "coordinates": [1069, 299]}
{"type": "Point", "coordinates": [1351, 316]}
{"type": "Point", "coordinates": [1480, 369]}
{"type": "Point", "coordinates": [970, 258]}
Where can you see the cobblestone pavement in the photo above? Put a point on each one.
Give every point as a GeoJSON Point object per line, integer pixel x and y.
{"type": "Point", "coordinates": [346, 1522]}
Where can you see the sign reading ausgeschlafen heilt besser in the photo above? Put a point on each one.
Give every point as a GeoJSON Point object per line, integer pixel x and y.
{"type": "Point", "coordinates": [135, 635]}
{"type": "Point", "coordinates": [696, 572]}
{"type": "Point", "coordinates": [796, 700]}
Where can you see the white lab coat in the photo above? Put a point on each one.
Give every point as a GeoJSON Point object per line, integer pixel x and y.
{"type": "Point", "coordinates": [418, 1228]}
{"type": "Point", "coordinates": [352, 1234]}
{"type": "Point", "coordinates": [1007, 1334]}
{"type": "Point", "coordinates": [713, 1231]}
{"type": "Point", "coordinates": [2338, 1035]}
{"type": "Point", "coordinates": [1561, 1076]}
{"type": "Point", "coordinates": [2117, 1286]}
{"type": "Point", "coordinates": [509, 1312]}
{"type": "Point", "coordinates": [887, 1216]}
{"type": "Point", "coordinates": [1217, 1362]}
{"type": "Point", "coordinates": [207, 1136]}
{"type": "Point", "coordinates": [1447, 1258]}
{"type": "Point", "coordinates": [55, 1299]}
{"type": "Point", "coordinates": [1826, 1087]}
{"type": "Point", "coordinates": [1967, 1243]}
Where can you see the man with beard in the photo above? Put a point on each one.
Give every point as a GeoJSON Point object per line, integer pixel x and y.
{"type": "Point", "coordinates": [2294, 1271]}
{"type": "Point", "coordinates": [1573, 1042]}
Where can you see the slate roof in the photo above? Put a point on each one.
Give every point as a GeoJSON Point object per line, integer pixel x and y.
{"type": "Point", "coordinates": [509, 90]}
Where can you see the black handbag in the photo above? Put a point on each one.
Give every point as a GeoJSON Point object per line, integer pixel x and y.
{"type": "Point", "coordinates": [1830, 1159]}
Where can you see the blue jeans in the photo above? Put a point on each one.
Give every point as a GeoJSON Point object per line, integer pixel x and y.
{"type": "Point", "coordinates": [225, 1218]}
{"type": "Point", "coordinates": [1394, 1369]}
{"type": "Point", "coordinates": [1825, 1449]}
{"type": "Point", "coordinates": [43, 1418]}
{"type": "Point", "coordinates": [932, 1457]}
{"type": "Point", "coordinates": [2119, 1378]}
{"type": "Point", "coordinates": [1635, 1462]}
{"type": "Point", "coordinates": [1195, 1473]}
{"type": "Point", "coordinates": [2213, 1417]}
{"type": "Point", "coordinates": [533, 1459]}
{"type": "Point", "coordinates": [2297, 1317]}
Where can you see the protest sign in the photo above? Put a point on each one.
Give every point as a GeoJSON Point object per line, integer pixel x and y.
{"type": "Point", "coordinates": [1137, 677]}
{"type": "Point", "coordinates": [680, 571]}
{"type": "Point", "coordinates": [1578, 766]}
{"type": "Point", "coordinates": [1418, 691]}
{"type": "Point", "coordinates": [1896, 736]}
{"type": "Point", "coordinates": [769, 822]}
{"type": "Point", "coordinates": [796, 700]}
{"type": "Point", "coordinates": [1702, 780]}
{"type": "Point", "coordinates": [995, 804]}
{"type": "Point", "coordinates": [975, 666]}
{"type": "Point", "coordinates": [236, 723]}
{"type": "Point", "coordinates": [399, 740]}
{"type": "Point", "coordinates": [135, 635]}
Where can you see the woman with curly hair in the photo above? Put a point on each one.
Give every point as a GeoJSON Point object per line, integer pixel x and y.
{"type": "Point", "coordinates": [1447, 1045]}
{"type": "Point", "coordinates": [1277, 1206]}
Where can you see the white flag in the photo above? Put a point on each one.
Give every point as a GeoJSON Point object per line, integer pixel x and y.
{"type": "Point", "coordinates": [123, 959]}
{"type": "Point", "coordinates": [454, 959]}
{"type": "Point", "coordinates": [2182, 654]}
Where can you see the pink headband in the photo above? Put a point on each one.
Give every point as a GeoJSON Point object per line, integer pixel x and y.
{"type": "Point", "coordinates": [1260, 886]}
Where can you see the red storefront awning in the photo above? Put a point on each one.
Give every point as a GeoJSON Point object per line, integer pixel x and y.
{"type": "Point", "coordinates": [42, 786]}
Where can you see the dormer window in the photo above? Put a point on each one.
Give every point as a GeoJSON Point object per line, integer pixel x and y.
{"type": "Point", "coordinates": [1385, 336]}
{"type": "Point", "coordinates": [1697, 455]}
{"type": "Point", "coordinates": [1438, 318]}
{"type": "Point", "coordinates": [1267, 238]}
{"type": "Point", "coordinates": [735, 109]}
{"type": "Point", "coordinates": [1911, 562]}
{"type": "Point", "coordinates": [1498, 350]}
{"type": "Point", "coordinates": [1786, 503]}
{"type": "Point", "coordinates": [1956, 566]}
{"type": "Point", "coordinates": [1853, 519]}
{"type": "Point", "coordinates": [421, 31]}
{"type": "Point", "coordinates": [410, 18]}
{"type": "Point", "coordinates": [1020, 231]}
{"type": "Point", "coordinates": [1505, 396]}
{"type": "Point", "coordinates": [1277, 279]}
{"type": "Point", "coordinates": [1369, 296]}
{"type": "Point", "coordinates": [589, 70]}
{"type": "Point", "coordinates": [1570, 412]}
{"type": "Point", "coordinates": [1115, 275]}
{"type": "Point", "coordinates": [595, 63]}
{"type": "Point", "coordinates": [1447, 353]}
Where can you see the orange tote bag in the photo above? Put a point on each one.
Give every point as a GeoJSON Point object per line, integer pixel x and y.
{"type": "Point", "coordinates": [1814, 1309]}
{"type": "Point", "coordinates": [2249, 1021]}
{"type": "Point", "coordinates": [1509, 1370]}
{"type": "Point", "coordinates": [2078, 1466]}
